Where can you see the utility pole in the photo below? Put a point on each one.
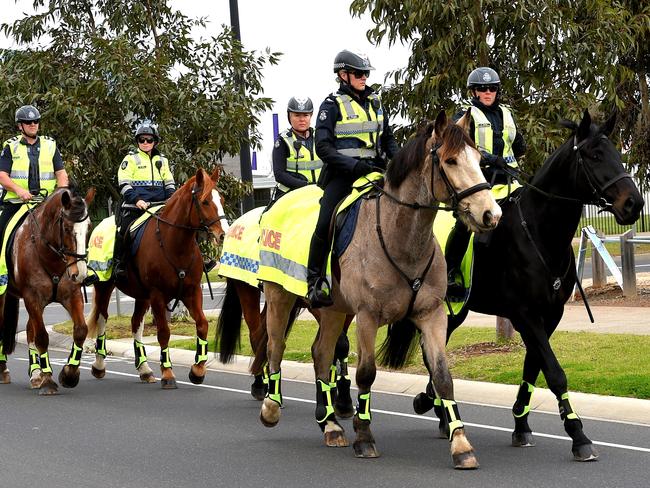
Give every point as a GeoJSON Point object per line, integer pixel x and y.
{"type": "Point", "coordinates": [248, 201]}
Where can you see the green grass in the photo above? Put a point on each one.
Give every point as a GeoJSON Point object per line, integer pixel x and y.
{"type": "Point", "coordinates": [605, 364]}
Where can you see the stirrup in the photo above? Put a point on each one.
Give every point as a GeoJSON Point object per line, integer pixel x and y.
{"type": "Point", "coordinates": [320, 294]}
{"type": "Point", "coordinates": [209, 265]}
{"type": "Point", "coordinates": [90, 280]}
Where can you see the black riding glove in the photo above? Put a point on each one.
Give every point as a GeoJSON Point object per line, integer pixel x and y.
{"type": "Point", "coordinates": [362, 168]}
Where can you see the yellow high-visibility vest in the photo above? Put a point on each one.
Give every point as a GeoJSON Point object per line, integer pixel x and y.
{"type": "Point", "coordinates": [20, 164]}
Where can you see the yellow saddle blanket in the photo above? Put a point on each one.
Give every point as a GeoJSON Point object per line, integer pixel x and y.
{"type": "Point", "coordinates": [11, 226]}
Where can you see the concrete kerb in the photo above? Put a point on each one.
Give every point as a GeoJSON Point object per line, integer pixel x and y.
{"type": "Point", "coordinates": [589, 406]}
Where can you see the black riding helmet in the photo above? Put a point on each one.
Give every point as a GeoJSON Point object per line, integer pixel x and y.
{"type": "Point", "coordinates": [483, 76]}
{"type": "Point", "coordinates": [300, 105]}
{"type": "Point", "coordinates": [351, 61]}
{"type": "Point", "coordinates": [146, 128]}
{"type": "Point", "coordinates": [27, 113]}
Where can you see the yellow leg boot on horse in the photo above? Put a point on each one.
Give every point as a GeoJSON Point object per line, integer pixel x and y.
{"type": "Point", "coordinates": [319, 291]}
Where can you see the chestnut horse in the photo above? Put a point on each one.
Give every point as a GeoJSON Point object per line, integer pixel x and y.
{"type": "Point", "coordinates": [47, 263]}
{"type": "Point", "coordinates": [167, 266]}
{"type": "Point", "coordinates": [393, 272]}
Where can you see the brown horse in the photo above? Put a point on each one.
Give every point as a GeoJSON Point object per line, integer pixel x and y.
{"type": "Point", "coordinates": [167, 266]}
{"type": "Point", "coordinates": [242, 299]}
{"type": "Point", "coordinates": [47, 263]}
{"type": "Point", "coordinates": [393, 272]}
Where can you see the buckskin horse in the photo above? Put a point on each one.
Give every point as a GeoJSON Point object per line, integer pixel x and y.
{"type": "Point", "coordinates": [47, 263]}
{"type": "Point", "coordinates": [166, 266]}
{"type": "Point", "coordinates": [393, 272]}
{"type": "Point", "coordinates": [526, 269]}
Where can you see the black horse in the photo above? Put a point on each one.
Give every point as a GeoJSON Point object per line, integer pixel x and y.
{"type": "Point", "coordinates": [526, 270]}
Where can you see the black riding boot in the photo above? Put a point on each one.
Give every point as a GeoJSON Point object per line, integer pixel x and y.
{"type": "Point", "coordinates": [454, 253]}
{"type": "Point", "coordinates": [119, 257]}
{"type": "Point", "coordinates": [319, 291]}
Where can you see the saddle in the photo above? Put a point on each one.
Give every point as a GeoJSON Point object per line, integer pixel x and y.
{"type": "Point", "coordinates": [7, 244]}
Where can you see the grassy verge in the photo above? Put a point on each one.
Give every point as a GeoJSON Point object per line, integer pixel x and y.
{"type": "Point", "coordinates": [605, 364]}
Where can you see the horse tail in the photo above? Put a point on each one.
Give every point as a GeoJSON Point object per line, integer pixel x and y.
{"type": "Point", "coordinates": [228, 333]}
{"type": "Point", "coordinates": [10, 323]}
{"type": "Point", "coordinates": [261, 339]}
{"type": "Point", "coordinates": [399, 345]}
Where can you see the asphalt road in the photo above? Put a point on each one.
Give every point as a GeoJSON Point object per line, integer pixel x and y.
{"type": "Point", "coordinates": [118, 432]}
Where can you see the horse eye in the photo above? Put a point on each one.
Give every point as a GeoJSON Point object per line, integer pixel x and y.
{"type": "Point", "coordinates": [205, 202]}
{"type": "Point", "coordinates": [451, 161]}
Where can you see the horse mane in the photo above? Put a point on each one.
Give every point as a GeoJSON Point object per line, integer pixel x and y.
{"type": "Point", "coordinates": [77, 210]}
{"type": "Point", "coordinates": [410, 157]}
{"type": "Point", "coordinates": [455, 138]}
{"type": "Point", "coordinates": [208, 185]}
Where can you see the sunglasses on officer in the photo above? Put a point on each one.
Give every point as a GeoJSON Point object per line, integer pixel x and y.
{"type": "Point", "coordinates": [145, 140]}
{"type": "Point", "coordinates": [30, 122]}
{"type": "Point", "coordinates": [358, 74]}
{"type": "Point", "coordinates": [486, 88]}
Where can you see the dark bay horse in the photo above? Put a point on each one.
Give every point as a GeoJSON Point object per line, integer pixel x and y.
{"type": "Point", "coordinates": [526, 270]}
{"type": "Point", "coordinates": [47, 264]}
{"type": "Point", "coordinates": [167, 266]}
{"type": "Point", "coordinates": [393, 272]}
{"type": "Point", "coordinates": [243, 300]}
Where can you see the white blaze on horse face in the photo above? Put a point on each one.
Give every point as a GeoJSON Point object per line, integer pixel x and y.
{"type": "Point", "coordinates": [216, 198]}
{"type": "Point", "coordinates": [80, 231]}
{"type": "Point", "coordinates": [480, 210]}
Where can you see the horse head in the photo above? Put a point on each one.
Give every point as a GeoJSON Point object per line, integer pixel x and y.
{"type": "Point", "coordinates": [209, 205]}
{"type": "Point", "coordinates": [66, 229]}
{"type": "Point", "coordinates": [598, 173]}
{"type": "Point", "coordinates": [456, 174]}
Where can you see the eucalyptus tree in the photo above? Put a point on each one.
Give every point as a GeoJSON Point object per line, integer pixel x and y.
{"type": "Point", "coordinates": [96, 68]}
{"type": "Point", "coordinates": [555, 57]}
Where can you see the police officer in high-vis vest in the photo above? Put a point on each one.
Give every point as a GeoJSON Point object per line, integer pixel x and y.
{"type": "Point", "coordinates": [495, 133]}
{"type": "Point", "coordinates": [144, 177]}
{"type": "Point", "coordinates": [29, 164]}
{"type": "Point", "coordinates": [295, 163]}
{"type": "Point", "coordinates": [353, 138]}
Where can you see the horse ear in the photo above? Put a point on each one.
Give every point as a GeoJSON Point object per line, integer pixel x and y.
{"type": "Point", "coordinates": [608, 127]}
{"type": "Point", "coordinates": [215, 174]}
{"type": "Point", "coordinates": [66, 199]}
{"type": "Point", "coordinates": [441, 123]}
{"type": "Point", "coordinates": [585, 125]}
{"type": "Point", "coordinates": [464, 121]}
{"type": "Point", "coordinates": [90, 195]}
{"type": "Point", "coordinates": [200, 174]}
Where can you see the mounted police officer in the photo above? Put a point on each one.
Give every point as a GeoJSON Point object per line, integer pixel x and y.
{"type": "Point", "coordinates": [295, 163]}
{"type": "Point", "coordinates": [144, 177]}
{"type": "Point", "coordinates": [495, 133]}
{"type": "Point", "coordinates": [29, 163]}
{"type": "Point", "coordinates": [353, 138]}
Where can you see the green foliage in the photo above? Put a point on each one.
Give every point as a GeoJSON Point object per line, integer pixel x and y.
{"type": "Point", "coordinates": [555, 58]}
{"type": "Point", "coordinates": [96, 68]}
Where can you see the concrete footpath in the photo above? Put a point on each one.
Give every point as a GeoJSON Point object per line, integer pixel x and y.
{"type": "Point", "coordinates": [628, 320]}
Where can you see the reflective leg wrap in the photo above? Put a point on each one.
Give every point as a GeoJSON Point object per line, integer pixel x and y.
{"type": "Point", "coordinates": [165, 360]}
{"type": "Point", "coordinates": [75, 356]}
{"type": "Point", "coordinates": [140, 353]}
{"type": "Point", "coordinates": [566, 410]}
{"type": "Point", "coordinates": [332, 382]}
{"type": "Point", "coordinates": [34, 361]}
{"type": "Point", "coordinates": [324, 404]}
{"type": "Point", "coordinates": [46, 367]}
{"type": "Point", "coordinates": [201, 351]}
{"type": "Point", "coordinates": [275, 392]}
{"type": "Point", "coordinates": [453, 416]}
{"type": "Point", "coordinates": [3, 356]}
{"type": "Point", "coordinates": [343, 369]}
{"type": "Point", "coordinates": [437, 404]}
{"type": "Point", "coordinates": [100, 345]}
{"type": "Point", "coordinates": [363, 407]}
{"type": "Point", "coordinates": [522, 404]}
{"type": "Point", "coordinates": [265, 377]}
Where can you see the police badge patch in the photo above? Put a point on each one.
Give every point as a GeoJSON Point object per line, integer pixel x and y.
{"type": "Point", "coordinates": [277, 143]}
{"type": "Point", "coordinates": [124, 164]}
{"type": "Point", "coordinates": [322, 115]}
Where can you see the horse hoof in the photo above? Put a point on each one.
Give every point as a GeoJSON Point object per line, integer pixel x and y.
{"type": "Point", "coordinates": [148, 378]}
{"type": "Point", "coordinates": [523, 439]}
{"type": "Point", "coordinates": [197, 380]}
{"type": "Point", "coordinates": [48, 388]}
{"type": "Point", "coordinates": [344, 411]}
{"type": "Point", "coordinates": [465, 460]}
{"type": "Point", "coordinates": [258, 392]}
{"type": "Point", "coordinates": [69, 380]}
{"type": "Point", "coordinates": [270, 413]}
{"type": "Point", "coordinates": [422, 403]}
{"type": "Point", "coordinates": [366, 450]}
{"type": "Point", "coordinates": [266, 423]}
{"type": "Point", "coordinates": [36, 382]}
{"type": "Point", "coordinates": [336, 439]}
{"type": "Point", "coordinates": [168, 384]}
{"type": "Point", "coordinates": [98, 373]}
{"type": "Point", "coordinates": [585, 453]}
{"type": "Point", "coordinates": [5, 378]}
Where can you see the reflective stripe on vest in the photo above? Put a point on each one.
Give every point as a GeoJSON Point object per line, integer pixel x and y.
{"type": "Point", "coordinates": [358, 131]}
{"type": "Point", "coordinates": [300, 161]}
{"type": "Point", "coordinates": [145, 173]}
{"type": "Point", "coordinates": [484, 134]}
{"type": "Point", "coordinates": [20, 165]}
